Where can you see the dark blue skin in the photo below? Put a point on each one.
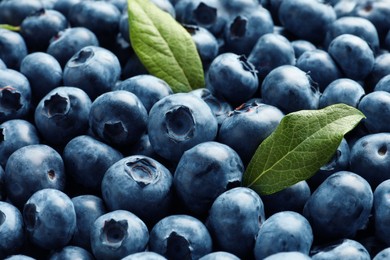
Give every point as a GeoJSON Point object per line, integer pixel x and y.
{"type": "Point", "coordinates": [69, 41]}
{"type": "Point", "coordinates": [347, 249]}
{"type": "Point", "coordinates": [358, 26]}
{"type": "Point", "coordinates": [101, 17]}
{"type": "Point", "coordinates": [232, 77]}
{"type": "Point", "coordinates": [238, 205]}
{"type": "Point", "coordinates": [142, 147]}
{"type": "Point", "coordinates": [87, 159]}
{"type": "Point", "coordinates": [342, 90]}
{"type": "Point", "coordinates": [271, 51]}
{"type": "Point", "coordinates": [63, 6]}
{"type": "Point", "coordinates": [148, 88]}
{"type": "Point", "coordinates": [300, 46]}
{"type": "Point", "coordinates": [124, 27]}
{"type": "Point", "coordinates": [344, 197]}
{"type": "Point", "coordinates": [180, 237]}
{"type": "Point", "coordinates": [204, 172]}
{"type": "Point", "coordinates": [383, 84]}
{"type": "Point", "coordinates": [292, 198]}
{"type": "Point", "coordinates": [43, 72]}
{"type": "Point", "coordinates": [71, 252]}
{"type": "Point", "coordinates": [117, 234]}
{"type": "Point", "coordinates": [375, 106]}
{"type": "Point", "coordinates": [353, 55]}
{"type": "Point", "coordinates": [32, 168]}
{"type": "Point", "coordinates": [138, 184]}
{"type": "Point", "coordinates": [118, 117]}
{"type": "Point", "coordinates": [383, 254]}
{"type": "Point", "coordinates": [219, 107]}
{"type": "Point", "coordinates": [11, 229]}
{"type": "Point", "coordinates": [49, 218]}
{"type": "Point", "coordinates": [178, 122]}
{"type": "Point", "coordinates": [15, 95]}
{"type": "Point", "coordinates": [387, 42]}
{"type": "Point", "coordinates": [38, 28]}
{"type": "Point", "coordinates": [14, 12]}
{"type": "Point", "coordinates": [206, 43]}
{"type": "Point", "coordinates": [63, 114]}
{"type": "Point", "coordinates": [288, 256]}
{"type": "Point", "coordinates": [93, 69]}
{"type": "Point", "coordinates": [381, 69]}
{"type": "Point", "coordinates": [147, 255]}
{"type": "Point", "coordinates": [320, 66]}
{"type": "Point", "coordinates": [88, 208]}
{"type": "Point", "coordinates": [219, 255]}
{"type": "Point", "coordinates": [13, 48]}
{"type": "Point", "coordinates": [282, 232]}
{"type": "Point", "coordinates": [310, 21]}
{"type": "Point", "coordinates": [243, 31]}
{"type": "Point", "coordinates": [133, 67]}
{"type": "Point", "coordinates": [15, 134]}
{"type": "Point", "coordinates": [2, 184]}
{"type": "Point", "coordinates": [166, 6]}
{"type": "Point", "coordinates": [247, 126]}
{"type": "Point", "coordinates": [339, 162]}
{"type": "Point", "coordinates": [290, 89]}
{"type": "Point", "coordinates": [369, 158]}
{"type": "Point", "coordinates": [382, 211]}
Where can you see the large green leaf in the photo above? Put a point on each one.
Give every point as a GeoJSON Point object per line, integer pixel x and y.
{"type": "Point", "coordinates": [302, 143]}
{"type": "Point", "coordinates": [164, 47]}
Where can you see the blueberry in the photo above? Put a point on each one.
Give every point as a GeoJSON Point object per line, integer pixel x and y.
{"type": "Point", "coordinates": [63, 6]}
{"type": "Point", "coordinates": [271, 51]}
{"type": "Point", "coordinates": [381, 69]}
{"type": "Point", "coordinates": [38, 28]}
{"type": "Point", "coordinates": [50, 218]}
{"type": "Point", "coordinates": [310, 21]}
{"type": "Point", "coordinates": [13, 48]}
{"type": "Point", "coordinates": [288, 255]}
{"type": "Point", "coordinates": [15, 95]}
{"type": "Point", "coordinates": [243, 31]}
{"type": "Point", "coordinates": [383, 84]}
{"type": "Point", "coordinates": [320, 66]}
{"type": "Point", "coordinates": [142, 147]}
{"type": "Point", "coordinates": [2, 65]}
{"type": "Point", "coordinates": [204, 172]}
{"type": "Point", "coordinates": [344, 197]}
{"type": "Point", "coordinates": [292, 198]}
{"type": "Point", "coordinates": [247, 126]}
{"type": "Point", "coordinates": [88, 208]}
{"type": "Point", "coordinates": [341, 249]}
{"type": "Point", "coordinates": [290, 89]}
{"type": "Point", "coordinates": [381, 211]}
{"type": "Point", "coordinates": [180, 237]}
{"type": "Point", "coordinates": [147, 255]}
{"type": "Point", "coordinates": [19, 257]}
{"type": "Point", "coordinates": [219, 255]}
{"type": "Point", "coordinates": [118, 117]}
{"type": "Point", "coordinates": [358, 26]}
{"type": "Point", "coordinates": [117, 234]}
{"type": "Point", "coordinates": [283, 232]}
{"type": "Point", "coordinates": [300, 46]}
{"type": "Point", "coordinates": [353, 55]}
{"type": "Point", "coordinates": [383, 254]}
{"type": "Point", "coordinates": [32, 168]}
{"type": "Point", "coordinates": [232, 77]}
{"type": "Point", "coordinates": [68, 42]}
{"type": "Point", "coordinates": [342, 90]}
{"type": "Point", "coordinates": [43, 72]}
{"type": "Point", "coordinates": [87, 159]}
{"type": "Point", "coordinates": [14, 12]}
{"type": "Point", "coordinates": [238, 205]}
{"type": "Point", "coordinates": [138, 184]}
{"type": "Point", "coordinates": [15, 134]}
{"type": "Point", "coordinates": [166, 6]}
{"type": "Point", "coordinates": [124, 29]}
{"type": "Point", "coordinates": [71, 252]}
{"type": "Point", "coordinates": [178, 122]}
{"type": "Point", "coordinates": [376, 107]}
{"type": "Point", "coordinates": [11, 229]}
{"type": "Point", "coordinates": [63, 114]}
{"type": "Point", "coordinates": [148, 88]}
{"type": "Point", "coordinates": [93, 69]}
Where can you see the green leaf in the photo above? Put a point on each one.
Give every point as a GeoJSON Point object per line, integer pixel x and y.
{"type": "Point", "coordinates": [164, 46]}
{"type": "Point", "coordinates": [302, 143]}
{"type": "Point", "coordinates": [10, 27]}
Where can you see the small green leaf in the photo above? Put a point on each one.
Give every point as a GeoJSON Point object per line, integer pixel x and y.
{"type": "Point", "coordinates": [10, 27]}
{"type": "Point", "coordinates": [164, 47]}
{"type": "Point", "coordinates": [302, 143]}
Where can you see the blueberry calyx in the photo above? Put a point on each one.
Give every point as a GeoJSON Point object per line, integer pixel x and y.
{"type": "Point", "coordinates": [56, 105]}
{"type": "Point", "coordinates": [113, 130]}
{"type": "Point", "coordinates": [238, 27]}
{"type": "Point", "coordinates": [179, 124]}
{"type": "Point", "coordinates": [2, 217]}
{"type": "Point", "coordinates": [30, 216]}
{"type": "Point", "coordinates": [143, 171]}
{"type": "Point", "coordinates": [382, 150]}
{"type": "Point", "coordinates": [51, 174]}
{"type": "Point", "coordinates": [178, 247]}
{"type": "Point", "coordinates": [9, 100]}
{"type": "Point", "coordinates": [205, 14]}
{"type": "Point", "coordinates": [81, 57]}
{"type": "Point", "coordinates": [246, 65]}
{"type": "Point", "coordinates": [114, 233]}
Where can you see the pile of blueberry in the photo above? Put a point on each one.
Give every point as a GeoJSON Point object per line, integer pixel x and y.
{"type": "Point", "coordinates": [101, 160]}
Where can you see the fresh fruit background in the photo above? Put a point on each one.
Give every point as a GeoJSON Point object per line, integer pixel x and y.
{"type": "Point", "coordinates": [101, 158]}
